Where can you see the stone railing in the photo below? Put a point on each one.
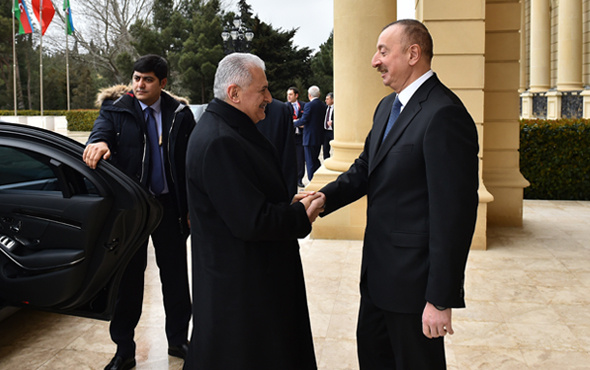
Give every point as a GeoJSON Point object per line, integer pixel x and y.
{"type": "Point", "coordinates": [57, 124]}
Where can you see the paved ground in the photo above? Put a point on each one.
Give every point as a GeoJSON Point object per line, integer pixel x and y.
{"type": "Point", "coordinates": [527, 306]}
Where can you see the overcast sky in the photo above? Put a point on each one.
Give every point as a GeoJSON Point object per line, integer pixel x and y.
{"type": "Point", "coordinates": [314, 25]}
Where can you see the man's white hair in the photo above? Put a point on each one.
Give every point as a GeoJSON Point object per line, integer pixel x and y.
{"type": "Point", "coordinates": [314, 91]}
{"type": "Point", "coordinates": [235, 69]}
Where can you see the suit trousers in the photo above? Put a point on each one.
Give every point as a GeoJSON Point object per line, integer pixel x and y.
{"type": "Point", "coordinates": [328, 136]}
{"type": "Point", "coordinates": [171, 258]}
{"type": "Point", "coordinates": [312, 159]}
{"type": "Point", "coordinates": [389, 340]}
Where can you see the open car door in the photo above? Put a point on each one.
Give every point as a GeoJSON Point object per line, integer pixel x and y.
{"type": "Point", "coordinates": [66, 231]}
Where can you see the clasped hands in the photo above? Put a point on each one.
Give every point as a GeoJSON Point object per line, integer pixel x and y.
{"type": "Point", "coordinates": [313, 201]}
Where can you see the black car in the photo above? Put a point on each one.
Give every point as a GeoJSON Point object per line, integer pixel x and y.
{"type": "Point", "coordinates": [66, 231]}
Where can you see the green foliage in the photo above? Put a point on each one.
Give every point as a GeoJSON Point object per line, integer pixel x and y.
{"type": "Point", "coordinates": [81, 120]}
{"type": "Point", "coordinates": [201, 51]}
{"type": "Point", "coordinates": [555, 158]}
{"type": "Point", "coordinates": [284, 62]}
{"type": "Point", "coordinates": [322, 65]}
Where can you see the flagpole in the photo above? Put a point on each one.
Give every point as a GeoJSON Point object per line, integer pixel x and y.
{"type": "Point", "coordinates": [67, 67]}
{"type": "Point", "coordinates": [41, 55]}
{"type": "Point", "coordinates": [14, 61]}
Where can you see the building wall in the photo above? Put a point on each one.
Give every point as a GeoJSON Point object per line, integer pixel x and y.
{"type": "Point", "coordinates": [586, 46]}
{"type": "Point", "coordinates": [554, 35]}
{"type": "Point", "coordinates": [554, 103]}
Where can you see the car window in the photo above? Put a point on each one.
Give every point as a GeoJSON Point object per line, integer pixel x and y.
{"type": "Point", "coordinates": [24, 170]}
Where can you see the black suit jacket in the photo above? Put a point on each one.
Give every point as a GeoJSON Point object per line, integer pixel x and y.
{"type": "Point", "coordinates": [312, 121]}
{"type": "Point", "coordinates": [421, 185]}
{"type": "Point", "coordinates": [298, 131]}
{"type": "Point", "coordinates": [331, 118]}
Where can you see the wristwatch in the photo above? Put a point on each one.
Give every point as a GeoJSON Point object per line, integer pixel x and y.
{"type": "Point", "coordinates": [440, 308]}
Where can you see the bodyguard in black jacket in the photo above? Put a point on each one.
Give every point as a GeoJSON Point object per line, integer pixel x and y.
{"type": "Point", "coordinates": [144, 132]}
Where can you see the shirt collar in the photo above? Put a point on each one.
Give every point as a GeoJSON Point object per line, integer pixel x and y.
{"type": "Point", "coordinates": [156, 106]}
{"type": "Point", "coordinates": [406, 94]}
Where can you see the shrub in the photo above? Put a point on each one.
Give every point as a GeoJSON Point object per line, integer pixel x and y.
{"type": "Point", "coordinates": [81, 120]}
{"type": "Point", "coordinates": [555, 158]}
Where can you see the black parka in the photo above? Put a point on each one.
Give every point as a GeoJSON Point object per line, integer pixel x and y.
{"type": "Point", "coordinates": [121, 125]}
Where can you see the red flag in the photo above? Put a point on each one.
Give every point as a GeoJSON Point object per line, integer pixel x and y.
{"type": "Point", "coordinates": [48, 12]}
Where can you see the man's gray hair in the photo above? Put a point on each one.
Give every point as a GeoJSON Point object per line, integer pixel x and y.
{"type": "Point", "coordinates": [235, 69]}
{"type": "Point", "coordinates": [314, 91]}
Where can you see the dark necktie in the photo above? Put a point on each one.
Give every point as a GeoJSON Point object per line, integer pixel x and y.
{"type": "Point", "coordinates": [328, 113]}
{"type": "Point", "coordinates": [395, 109]}
{"type": "Point", "coordinates": [156, 172]}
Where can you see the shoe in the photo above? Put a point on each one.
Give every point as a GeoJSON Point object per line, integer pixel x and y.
{"type": "Point", "coordinates": [120, 363]}
{"type": "Point", "coordinates": [178, 351]}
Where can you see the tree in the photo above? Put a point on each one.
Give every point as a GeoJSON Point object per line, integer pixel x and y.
{"type": "Point", "coordinates": [111, 34]}
{"type": "Point", "coordinates": [201, 52]}
{"type": "Point", "coordinates": [286, 64]}
{"type": "Point", "coordinates": [322, 65]}
{"type": "Point", "coordinates": [106, 35]}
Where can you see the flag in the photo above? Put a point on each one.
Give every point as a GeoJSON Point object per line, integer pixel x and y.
{"type": "Point", "coordinates": [69, 23]}
{"type": "Point", "coordinates": [48, 12]}
{"type": "Point", "coordinates": [21, 13]}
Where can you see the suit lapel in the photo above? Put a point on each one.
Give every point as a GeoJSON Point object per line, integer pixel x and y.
{"type": "Point", "coordinates": [405, 118]}
{"type": "Point", "coordinates": [379, 123]}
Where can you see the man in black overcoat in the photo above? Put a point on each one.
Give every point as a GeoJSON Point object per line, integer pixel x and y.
{"type": "Point", "coordinates": [250, 308]}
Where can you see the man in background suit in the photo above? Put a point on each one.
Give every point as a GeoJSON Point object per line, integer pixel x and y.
{"type": "Point", "coordinates": [135, 131]}
{"type": "Point", "coordinates": [328, 125]}
{"type": "Point", "coordinates": [277, 127]}
{"type": "Point", "coordinates": [296, 108]}
{"type": "Point", "coordinates": [312, 121]}
{"type": "Point", "coordinates": [421, 182]}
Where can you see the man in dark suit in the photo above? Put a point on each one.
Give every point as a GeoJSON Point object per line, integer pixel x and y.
{"type": "Point", "coordinates": [421, 182]}
{"type": "Point", "coordinates": [250, 309]}
{"type": "Point", "coordinates": [328, 125]}
{"type": "Point", "coordinates": [312, 121]}
{"type": "Point", "coordinates": [145, 134]}
{"type": "Point", "coordinates": [277, 127]}
{"type": "Point", "coordinates": [296, 108]}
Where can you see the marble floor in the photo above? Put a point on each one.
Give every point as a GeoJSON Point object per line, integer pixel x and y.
{"type": "Point", "coordinates": [527, 305]}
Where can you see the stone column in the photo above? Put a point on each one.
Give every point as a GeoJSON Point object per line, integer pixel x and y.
{"type": "Point", "coordinates": [553, 104]}
{"type": "Point", "coordinates": [458, 32]}
{"type": "Point", "coordinates": [523, 86]}
{"type": "Point", "coordinates": [540, 50]}
{"type": "Point", "coordinates": [357, 91]}
{"type": "Point", "coordinates": [501, 171]}
{"type": "Point", "coordinates": [526, 101]}
{"type": "Point", "coordinates": [569, 46]}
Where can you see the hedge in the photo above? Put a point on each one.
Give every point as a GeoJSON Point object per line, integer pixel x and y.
{"type": "Point", "coordinates": [81, 120]}
{"type": "Point", "coordinates": [555, 158]}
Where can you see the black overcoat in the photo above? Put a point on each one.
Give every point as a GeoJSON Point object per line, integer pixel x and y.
{"type": "Point", "coordinates": [250, 309]}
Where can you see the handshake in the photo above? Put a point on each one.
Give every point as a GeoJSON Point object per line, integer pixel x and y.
{"type": "Point", "coordinates": [313, 201]}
